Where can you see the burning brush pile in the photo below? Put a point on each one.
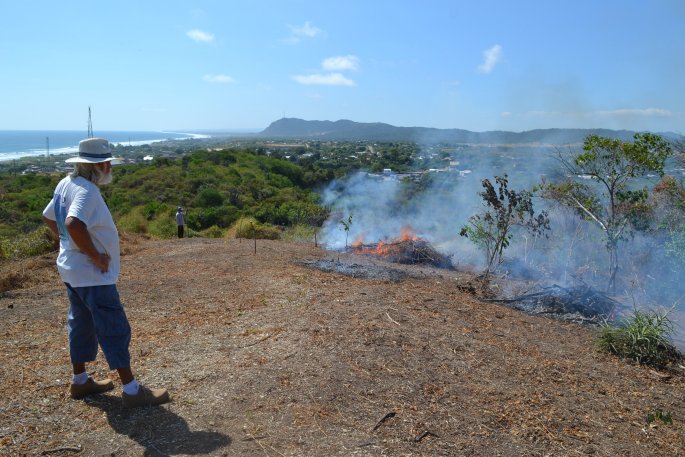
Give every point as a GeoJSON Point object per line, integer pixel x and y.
{"type": "Point", "coordinates": [406, 249]}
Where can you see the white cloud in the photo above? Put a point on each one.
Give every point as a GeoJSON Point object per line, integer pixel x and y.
{"type": "Point", "coordinates": [491, 57]}
{"type": "Point", "coordinates": [646, 112]}
{"type": "Point", "coordinates": [218, 78]}
{"type": "Point", "coordinates": [505, 114]}
{"type": "Point", "coordinates": [617, 113]}
{"type": "Point", "coordinates": [330, 79]}
{"type": "Point", "coordinates": [306, 30]}
{"type": "Point", "coordinates": [338, 63]}
{"type": "Point", "coordinates": [540, 113]}
{"type": "Point", "coordinates": [298, 32]}
{"type": "Point", "coordinates": [200, 36]}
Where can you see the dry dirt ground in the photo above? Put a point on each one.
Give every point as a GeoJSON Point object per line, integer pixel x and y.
{"type": "Point", "coordinates": [265, 356]}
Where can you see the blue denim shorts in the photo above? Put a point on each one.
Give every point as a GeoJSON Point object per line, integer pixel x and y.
{"type": "Point", "coordinates": [96, 315]}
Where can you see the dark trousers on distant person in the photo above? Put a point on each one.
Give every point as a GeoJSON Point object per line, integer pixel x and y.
{"type": "Point", "coordinates": [180, 231]}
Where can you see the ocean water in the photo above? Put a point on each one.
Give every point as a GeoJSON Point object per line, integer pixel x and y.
{"type": "Point", "coordinates": [25, 143]}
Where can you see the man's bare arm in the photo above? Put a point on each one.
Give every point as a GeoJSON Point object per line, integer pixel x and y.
{"type": "Point", "coordinates": [52, 225]}
{"type": "Point", "coordinates": [79, 234]}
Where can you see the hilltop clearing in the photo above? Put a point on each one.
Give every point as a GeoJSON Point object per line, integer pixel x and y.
{"type": "Point", "coordinates": [266, 356]}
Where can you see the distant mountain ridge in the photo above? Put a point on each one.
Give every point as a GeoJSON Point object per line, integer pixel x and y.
{"type": "Point", "coordinates": [378, 131]}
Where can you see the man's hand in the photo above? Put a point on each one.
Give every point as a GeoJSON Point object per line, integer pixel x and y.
{"type": "Point", "coordinates": [79, 234]}
{"type": "Point", "coordinates": [102, 262]}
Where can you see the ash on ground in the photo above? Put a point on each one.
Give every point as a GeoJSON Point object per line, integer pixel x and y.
{"type": "Point", "coordinates": [364, 266]}
{"type": "Point", "coordinates": [357, 270]}
{"type": "Point", "coordinates": [581, 304]}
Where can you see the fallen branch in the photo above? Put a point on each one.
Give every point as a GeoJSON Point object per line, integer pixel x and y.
{"type": "Point", "coordinates": [62, 449]}
{"type": "Point", "coordinates": [367, 443]}
{"type": "Point", "coordinates": [386, 417]}
{"type": "Point", "coordinates": [423, 435]}
{"type": "Point", "coordinates": [583, 301]}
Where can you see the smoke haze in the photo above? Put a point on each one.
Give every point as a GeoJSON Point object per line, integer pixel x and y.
{"type": "Point", "coordinates": [439, 203]}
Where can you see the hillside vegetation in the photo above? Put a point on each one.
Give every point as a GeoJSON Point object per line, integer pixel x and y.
{"type": "Point", "coordinates": [216, 188]}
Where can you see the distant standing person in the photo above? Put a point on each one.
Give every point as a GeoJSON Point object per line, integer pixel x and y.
{"type": "Point", "coordinates": [88, 263]}
{"type": "Point", "coordinates": [180, 221]}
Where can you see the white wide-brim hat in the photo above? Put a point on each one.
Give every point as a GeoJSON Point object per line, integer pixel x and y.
{"type": "Point", "coordinates": [94, 150]}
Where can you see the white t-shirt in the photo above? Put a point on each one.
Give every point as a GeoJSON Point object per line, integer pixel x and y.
{"type": "Point", "coordinates": [80, 198]}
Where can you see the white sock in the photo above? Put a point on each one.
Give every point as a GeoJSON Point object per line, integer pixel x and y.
{"type": "Point", "coordinates": [131, 388]}
{"type": "Point", "coordinates": [80, 378]}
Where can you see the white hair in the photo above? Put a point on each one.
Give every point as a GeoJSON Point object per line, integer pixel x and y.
{"type": "Point", "coordinates": [89, 171]}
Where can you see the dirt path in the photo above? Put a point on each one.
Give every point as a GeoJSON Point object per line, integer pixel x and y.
{"type": "Point", "coordinates": [265, 356]}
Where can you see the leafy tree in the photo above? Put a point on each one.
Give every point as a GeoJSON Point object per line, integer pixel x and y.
{"type": "Point", "coordinates": [346, 224]}
{"type": "Point", "coordinates": [209, 197]}
{"type": "Point", "coordinates": [492, 229]}
{"type": "Point", "coordinates": [612, 204]}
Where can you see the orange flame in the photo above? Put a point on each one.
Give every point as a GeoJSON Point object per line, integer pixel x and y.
{"type": "Point", "coordinates": [407, 234]}
{"type": "Point", "coordinates": [359, 242]}
{"type": "Point", "coordinates": [386, 248]}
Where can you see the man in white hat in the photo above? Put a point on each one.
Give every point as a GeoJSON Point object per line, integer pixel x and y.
{"type": "Point", "coordinates": [88, 263]}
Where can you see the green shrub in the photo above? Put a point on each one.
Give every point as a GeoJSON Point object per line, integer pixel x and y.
{"type": "Point", "coordinates": [299, 232]}
{"type": "Point", "coordinates": [242, 228]}
{"type": "Point", "coordinates": [133, 221]}
{"type": "Point", "coordinates": [38, 242]}
{"type": "Point", "coordinates": [152, 209]}
{"type": "Point", "coordinates": [163, 226]}
{"type": "Point", "coordinates": [203, 218]}
{"type": "Point", "coordinates": [213, 232]}
{"type": "Point", "coordinates": [248, 227]}
{"type": "Point", "coordinates": [643, 336]}
{"type": "Point", "coordinates": [659, 415]}
{"type": "Point", "coordinates": [209, 198]}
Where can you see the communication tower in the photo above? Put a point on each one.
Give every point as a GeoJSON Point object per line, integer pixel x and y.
{"type": "Point", "coordinates": [90, 125]}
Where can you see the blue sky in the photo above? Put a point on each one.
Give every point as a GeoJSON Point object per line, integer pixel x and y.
{"type": "Point", "coordinates": [476, 65]}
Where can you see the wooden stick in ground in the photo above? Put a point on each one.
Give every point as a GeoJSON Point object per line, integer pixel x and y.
{"type": "Point", "coordinates": [254, 234]}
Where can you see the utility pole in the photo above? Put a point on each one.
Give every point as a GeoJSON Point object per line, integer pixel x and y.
{"type": "Point", "coordinates": [90, 125]}
{"type": "Point", "coordinates": [47, 145]}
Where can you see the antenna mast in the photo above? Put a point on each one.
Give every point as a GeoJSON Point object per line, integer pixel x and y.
{"type": "Point", "coordinates": [90, 125]}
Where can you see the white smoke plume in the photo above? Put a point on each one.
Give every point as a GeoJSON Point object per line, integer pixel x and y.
{"type": "Point", "coordinates": [574, 252]}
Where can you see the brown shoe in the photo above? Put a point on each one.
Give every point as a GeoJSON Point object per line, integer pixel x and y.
{"type": "Point", "coordinates": [90, 387]}
{"type": "Point", "coordinates": [145, 397]}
